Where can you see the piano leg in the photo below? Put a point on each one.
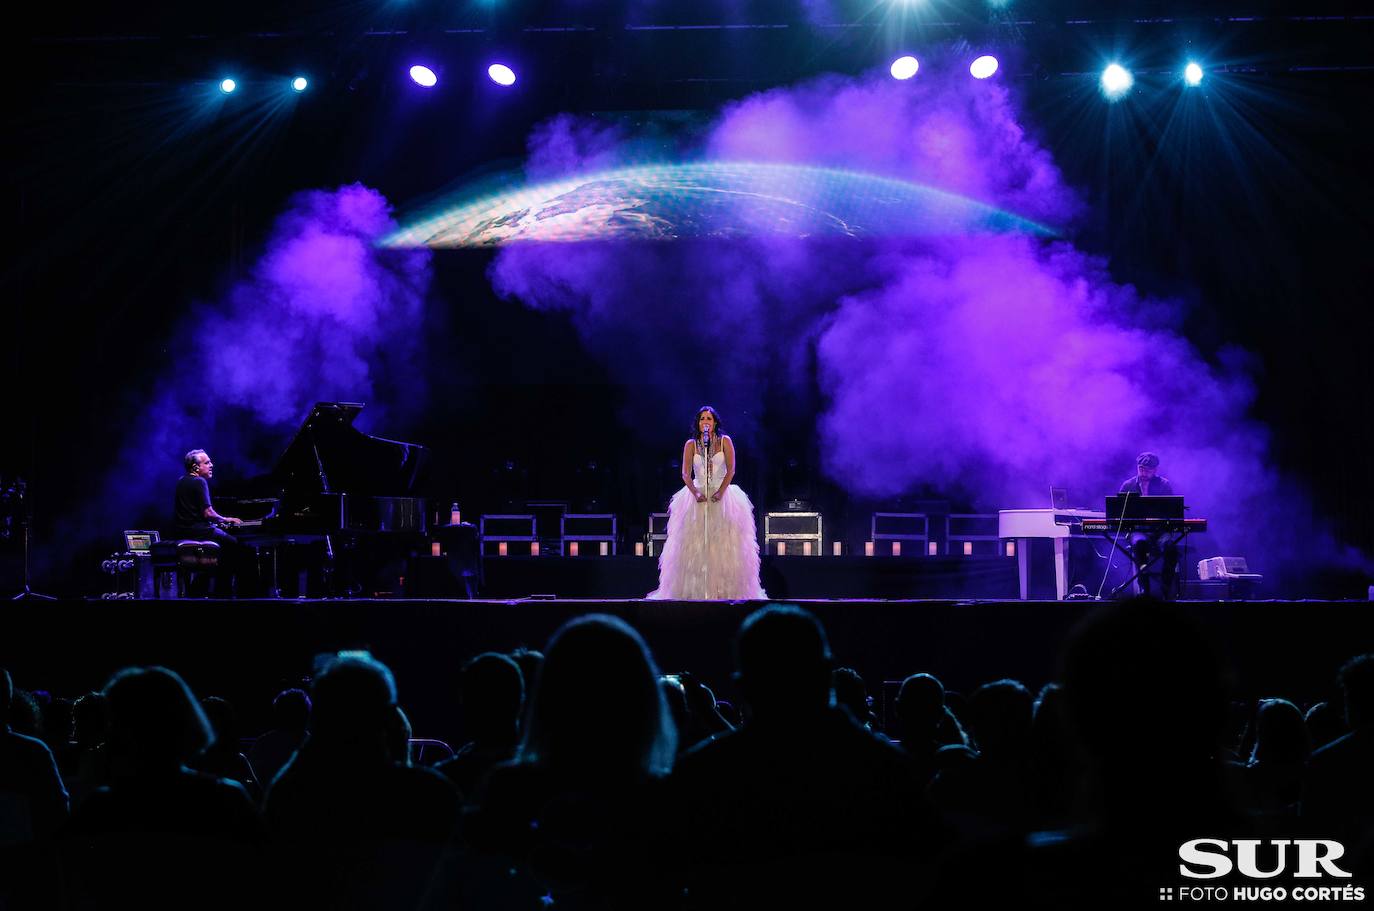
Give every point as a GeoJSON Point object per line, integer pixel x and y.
{"type": "Point", "coordinates": [1023, 565]}
{"type": "Point", "coordinates": [1061, 586]}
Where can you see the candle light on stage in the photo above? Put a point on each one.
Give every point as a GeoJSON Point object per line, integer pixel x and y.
{"type": "Point", "coordinates": [836, 548]}
{"type": "Point", "coordinates": [639, 548]}
{"type": "Point", "coordinates": [868, 548]}
{"type": "Point", "coordinates": [534, 548]}
{"type": "Point", "coordinates": [782, 548]}
{"type": "Point", "coordinates": [572, 549]}
{"type": "Point", "coordinates": [933, 548]}
{"type": "Point", "coordinates": [1011, 548]}
{"type": "Point", "coordinates": [806, 548]}
{"type": "Point", "coordinates": [434, 549]}
{"type": "Point", "coordinates": [896, 548]}
{"type": "Point", "coordinates": [455, 517]}
{"type": "Point", "coordinates": [605, 548]}
{"type": "Point", "coordinates": [501, 548]}
{"type": "Point", "coordinates": [968, 548]}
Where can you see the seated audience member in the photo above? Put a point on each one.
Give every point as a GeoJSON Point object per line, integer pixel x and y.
{"type": "Point", "coordinates": [1146, 695]}
{"type": "Point", "coordinates": [1340, 789]}
{"type": "Point", "coordinates": [88, 729]}
{"type": "Point", "coordinates": [89, 758]}
{"type": "Point", "coordinates": [222, 757]}
{"type": "Point", "coordinates": [852, 695]}
{"type": "Point", "coordinates": [492, 695]}
{"type": "Point", "coordinates": [355, 824]}
{"type": "Point", "coordinates": [530, 662]}
{"type": "Point", "coordinates": [290, 719]}
{"type": "Point", "coordinates": [994, 789]}
{"type": "Point", "coordinates": [800, 805]}
{"type": "Point", "coordinates": [922, 719]}
{"type": "Point", "coordinates": [1270, 781]}
{"type": "Point", "coordinates": [1325, 723]}
{"type": "Point", "coordinates": [1054, 766]}
{"type": "Point", "coordinates": [159, 832]}
{"type": "Point", "coordinates": [580, 808]}
{"type": "Point", "coordinates": [33, 800]}
{"type": "Point", "coordinates": [26, 715]}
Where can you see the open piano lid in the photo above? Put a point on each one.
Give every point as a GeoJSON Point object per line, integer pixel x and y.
{"type": "Point", "coordinates": [329, 455]}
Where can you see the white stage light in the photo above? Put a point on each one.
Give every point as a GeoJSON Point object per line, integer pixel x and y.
{"type": "Point", "coordinates": [905, 67]}
{"type": "Point", "coordinates": [424, 76]}
{"type": "Point", "coordinates": [1116, 81]}
{"type": "Point", "coordinates": [983, 67]}
{"type": "Point", "coordinates": [1192, 74]}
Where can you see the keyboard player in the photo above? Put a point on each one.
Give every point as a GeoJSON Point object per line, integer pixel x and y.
{"type": "Point", "coordinates": [1145, 546]}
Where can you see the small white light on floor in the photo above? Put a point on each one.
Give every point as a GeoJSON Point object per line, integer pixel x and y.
{"type": "Point", "coordinates": [572, 549]}
{"type": "Point", "coordinates": [835, 548]}
{"type": "Point", "coordinates": [868, 548]}
{"type": "Point", "coordinates": [534, 548]}
{"type": "Point", "coordinates": [933, 548]}
{"type": "Point", "coordinates": [896, 548]}
{"type": "Point", "coordinates": [639, 548]}
{"type": "Point", "coordinates": [968, 548]}
{"type": "Point", "coordinates": [782, 548]}
{"type": "Point", "coordinates": [605, 548]}
{"type": "Point", "coordinates": [501, 549]}
{"type": "Point", "coordinates": [434, 550]}
{"type": "Point", "coordinates": [1011, 548]}
{"type": "Point", "coordinates": [806, 548]}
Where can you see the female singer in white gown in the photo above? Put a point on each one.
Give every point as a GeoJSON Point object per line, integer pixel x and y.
{"type": "Point", "coordinates": [712, 550]}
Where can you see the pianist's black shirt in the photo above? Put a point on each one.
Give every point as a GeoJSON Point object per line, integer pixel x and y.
{"type": "Point", "coordinates": [192, 496]}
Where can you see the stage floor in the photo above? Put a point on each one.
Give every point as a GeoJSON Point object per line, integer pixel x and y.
{"type": "Point", "coordinates": [248, 650]}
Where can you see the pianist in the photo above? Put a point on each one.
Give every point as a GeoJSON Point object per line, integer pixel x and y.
{"type": "Point", "coordinates": [1146, 547]}
{"type": "Point", "coordinates": [196, 519]}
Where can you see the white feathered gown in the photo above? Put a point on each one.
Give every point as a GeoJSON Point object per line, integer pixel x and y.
{"type": "Point", "coordinates": [712, 550]}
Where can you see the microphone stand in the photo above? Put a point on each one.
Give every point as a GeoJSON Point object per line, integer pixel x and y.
{"type": "Point", "coordinates": [706, 516]}
{"type": "Point", "coordinates": [25, 524]}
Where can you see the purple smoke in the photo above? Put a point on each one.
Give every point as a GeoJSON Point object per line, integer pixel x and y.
{"type": "Point", "coordinates": [986, 366]}
{"type": "Point", "coordinates": [323, 315]}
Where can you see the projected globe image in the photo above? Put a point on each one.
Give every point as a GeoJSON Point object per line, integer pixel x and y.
{"type": "Point", "coordinates": [666, 202]}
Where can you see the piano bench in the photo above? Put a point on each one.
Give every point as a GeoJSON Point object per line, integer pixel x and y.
{"type": "Point", "coordinates": [177, 563]}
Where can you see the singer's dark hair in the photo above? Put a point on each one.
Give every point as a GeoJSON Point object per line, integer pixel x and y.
{"type": "Point", "coordinates": [696, 419]}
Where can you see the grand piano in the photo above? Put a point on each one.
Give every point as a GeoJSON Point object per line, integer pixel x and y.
{"type": "Point", "coordinates": [337, 497]}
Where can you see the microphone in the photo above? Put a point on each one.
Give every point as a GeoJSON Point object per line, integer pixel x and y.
{"type": "Point", "coordinates": [706, 452]}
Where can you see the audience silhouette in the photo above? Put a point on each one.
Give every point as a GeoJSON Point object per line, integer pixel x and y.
{"type": "Point", "coordinates": [33, 800]}
{"type": "Point", "coordinates": [580, 808]}
{"type": "Point", "coordinates": [290, 719]}
{"type": "Point", "coordinates": [356, 825]}
{"type": "Point", "coordinates": [801, 804]}
{"type": "Point", "coordinates": [1339, 795]}
{"type": "Point", "coordinates": [593, 782]}
{"type": "Point", "coordinates": [492, 695]}
{"type": "Point", "coordinates": [222, 756]}
{"type": "Point", "coordinates": [993, 788]}
{"type": "Point", "coordinates": [159, 831]}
